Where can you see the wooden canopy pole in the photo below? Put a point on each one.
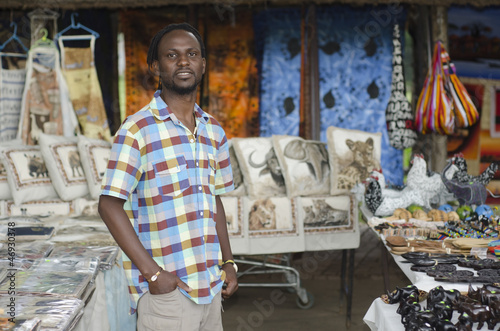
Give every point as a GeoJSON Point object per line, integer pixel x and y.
{"type": "Point", "coordinates": [439, 18]}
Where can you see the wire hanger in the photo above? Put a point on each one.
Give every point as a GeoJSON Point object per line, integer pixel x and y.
{"type": "Point", "coordinates": [44, 41]}
{"type": "Point", "coordinates": [76, 27]}
{"type": "Point", "coordinates": [14, 37]}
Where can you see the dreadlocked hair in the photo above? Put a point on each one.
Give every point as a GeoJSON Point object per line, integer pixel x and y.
{"type": "Point", "coordinates": [153, 47]}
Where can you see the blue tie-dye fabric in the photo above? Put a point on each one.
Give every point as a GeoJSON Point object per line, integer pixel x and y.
{"type": "Point", "coordinates": [277, 37]}
{"type": "Point", "coordinates": [355, 66]}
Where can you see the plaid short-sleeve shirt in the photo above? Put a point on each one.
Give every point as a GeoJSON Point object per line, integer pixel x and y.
{"type": "Point", "coordinates": [169, 178]}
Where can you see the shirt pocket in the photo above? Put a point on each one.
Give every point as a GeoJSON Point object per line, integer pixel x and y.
{"type": "Point", "coordinates": [172, 176]}
{"type": "Point", "coordinates": [211, 173]}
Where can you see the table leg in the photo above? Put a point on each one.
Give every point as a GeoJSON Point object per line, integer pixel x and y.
{"type": "Point", "coordinates": [342, 277]}
{"type": "Point", "coordinates": [384, 258]}
{"type": "Point", "coordinates": [349, 288]}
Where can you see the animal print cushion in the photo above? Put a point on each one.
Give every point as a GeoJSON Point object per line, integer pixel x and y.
{"type": "Point", "coordinates": [94, 154]}
{"type": "Point", "coordinates": [304, 164]}
{"type": "Point", "coordinates": [27, 174]}
{"type": "Point", "coordinates": [239, 184]}
{"type": "Point", "coordinates": [63, 164]}
{"type": "Point", "coordinates": [5, 193]}
{"type": "Point", "coordinates": [259, 164]}
{"type": "Point", "coordinates": [353, 154]}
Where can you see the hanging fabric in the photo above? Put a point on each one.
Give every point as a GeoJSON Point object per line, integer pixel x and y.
{"type": "Point", "coordinates": [45, 105]}
{"type": "Point", "coordinates": [346, 48]}
{"type": "Point", "coordinates": [443, 104]}
{"type": "Point", "coordinates": [231, 67]}
{"type": "Point", "coordinates": [12, 78]}
{"type": "Point", "coordinates": [84, 89]}
{"type": "Point", "coordinates": [398, 114]}
{"type": "Point", "coordinates": [279, 62]}
{"type": "Point", "coordinates": [11, 93]}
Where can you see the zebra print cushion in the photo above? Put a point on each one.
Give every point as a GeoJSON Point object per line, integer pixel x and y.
{"type": "Point", "coordinates": [94, 154]}
{"type": "Point", "coordinates": [64, 167]}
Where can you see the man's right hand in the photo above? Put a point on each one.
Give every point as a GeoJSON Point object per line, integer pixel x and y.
{"type": "Point", "coordinates": [166, 283]}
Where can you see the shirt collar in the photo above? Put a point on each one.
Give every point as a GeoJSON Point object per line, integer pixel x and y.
{"type": "Point", "coordinates": [161, 111]}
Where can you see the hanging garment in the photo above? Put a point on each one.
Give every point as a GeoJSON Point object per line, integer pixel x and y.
{"type": "Point", "coordinates": [232, 87]}
{"type": "Point", "coordinates": [355, 68]}
{"type": "Point", "coordinates": [278, 55]}
{"type": "Point", "coordinates": [398, 114]}
{"type": "Point", "coordinates": [84, 89]}
{"type": "Point", "coordinates": [45, 106]}
{"type": "Point", "coordinates": [11, 93]}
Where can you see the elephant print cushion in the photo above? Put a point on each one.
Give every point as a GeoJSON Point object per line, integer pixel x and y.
{"type": "Point", "coordinates": [94, 154]}
{"type": "Point", "coordinates": [353, 155]}
{"type": "Point", "coordinates": [27, 174]}
{"type": "Point", "coordinates": [304, 164]}
{"type": "Point", "coordinates": [262, 173]}
{"type": "Point", "coordinates": [64, 166]}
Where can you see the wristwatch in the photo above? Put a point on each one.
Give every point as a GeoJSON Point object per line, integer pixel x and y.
{"type": "Point", "coordinates": [233, 263]}
{"type": "Point", "coordinates": [155, 276]}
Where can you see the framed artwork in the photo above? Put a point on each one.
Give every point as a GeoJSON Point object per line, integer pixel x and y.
{"type": "Point", "coordinates": [495, 112]}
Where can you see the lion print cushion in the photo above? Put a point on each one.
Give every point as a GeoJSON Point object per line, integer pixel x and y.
{"type": "Point", "coordinates": [63, 163]}
{"type": "Point", "coordinates": [259, 164]}
{"type": "Point", "coordinates": [94, 154]}
{"type": "Point", "coordinates": [304, 164]}
{"type": "Point", "coordinates": [353, 154]}
{"type": "Point", "coordinates": [27, 173]}
{"type": "Point", "coordinates": [272, 225]}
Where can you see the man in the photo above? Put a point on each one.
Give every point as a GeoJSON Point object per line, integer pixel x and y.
{"type": "Point", "coordinates": [160, 195]}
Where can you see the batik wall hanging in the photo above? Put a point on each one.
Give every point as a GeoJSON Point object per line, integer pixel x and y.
{"type": "Point", "coordinates": [11, 93]}
{"type": "Point", "coordinates": [355, 69]}
{"type": "Point", "coordinates": [232, 75]}
{"type": "Point", "coordinates": [46, 107]}
{"type": "Point", "coordinates": [79, 70]}
{"type": "Point", "coordinates": [139, 27]}
{"type": "Point", "coordinates": [278, 54]}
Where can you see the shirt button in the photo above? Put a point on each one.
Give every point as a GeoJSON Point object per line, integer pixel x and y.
{"type": "Point", "coordinates": [197, 163]}
{"type": "Point", "coordinates": [199, 188]}
{"type": "Point", "coordinates": [192, 140]}
{"type": "Point", "coordinates": [201, 213]}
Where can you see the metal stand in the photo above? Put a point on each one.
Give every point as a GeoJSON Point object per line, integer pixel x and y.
{"type": "Point", "coordinates": [346, 286]}
{"type": "Point", "coordinates": [305, 299]}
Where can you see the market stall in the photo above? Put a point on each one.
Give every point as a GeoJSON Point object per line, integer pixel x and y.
{"type": "Point", "coordinates": [308, 126]}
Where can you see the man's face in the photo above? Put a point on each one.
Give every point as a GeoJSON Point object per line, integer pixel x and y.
{"type": "Point", "coordinates": [180, 64]}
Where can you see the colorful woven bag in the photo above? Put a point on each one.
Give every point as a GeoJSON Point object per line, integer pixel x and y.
{"type": "Point", "coordinates": [444, 103]}
{"type": "Point", "coordinates": [434, 111]}
{"type": "Point", "coordinates": [466, 113]}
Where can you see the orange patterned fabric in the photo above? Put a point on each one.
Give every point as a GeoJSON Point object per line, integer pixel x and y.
{"type": "Point", "coordinates": [139, 27]}
{"type": "Point", "coordinates": [232, 75]}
